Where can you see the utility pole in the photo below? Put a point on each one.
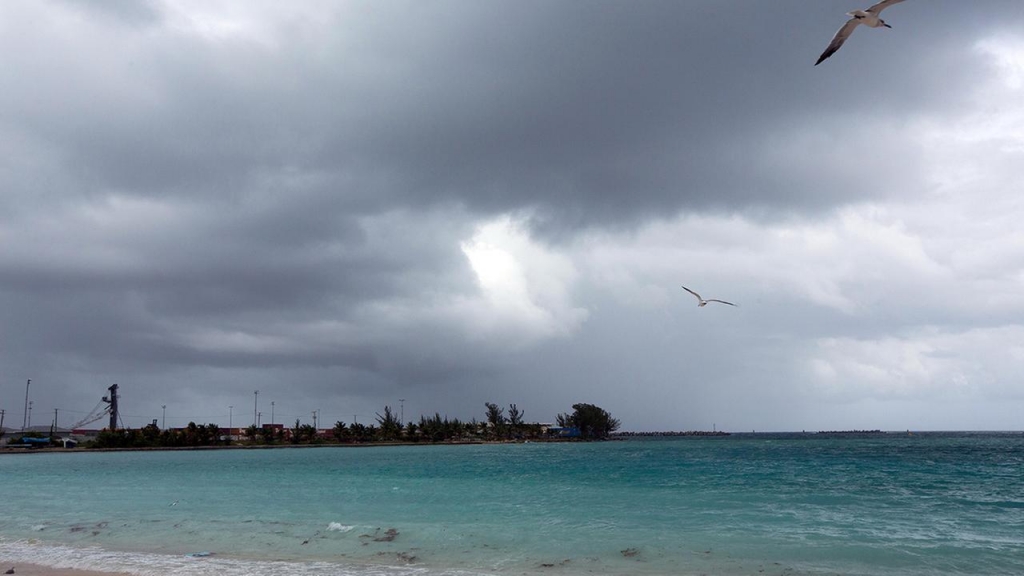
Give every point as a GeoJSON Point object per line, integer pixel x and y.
{"type": "Point", "coordinates": [255, 407]}
{"type": "Point", "coordinates": [2, 412]}
{"type": "Point", "coordinates": [314, 419]}
{"type": "Point", "coordinates": [401, 411]}
{"type": "Point", "coordinates": [231, 409]}
{"type": "Point", "coordinates": [55, 417]}
{"type": "Point", "coordinates": [29, 413]}
{"type": "Point", "coordinates": [163, 423]}
{"type": "Point", "coordinates": [271, 412]}
{"type": "Point", "coordinates": [24, 421]}
{"type": "Point", "coordinates": [259, 416]}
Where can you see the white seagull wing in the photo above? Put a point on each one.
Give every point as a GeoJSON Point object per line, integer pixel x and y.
{"type": "Point", "coordinates": [877, 8]}
{"type": "Point", "coordinates": [721, 302]}
{"type": "Point", "coordinates": [699, 299]}
{"type": "Point", "coordinates": [837, 41]}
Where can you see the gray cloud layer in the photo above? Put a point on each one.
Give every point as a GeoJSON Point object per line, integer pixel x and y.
{"type": "Point", "coordinates": [202, 199]}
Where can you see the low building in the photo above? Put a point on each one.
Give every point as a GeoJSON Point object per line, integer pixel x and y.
{"type": "Point", "coordinates": [564, 431]}
{"type": "Point", "coordinates": [80, 434]}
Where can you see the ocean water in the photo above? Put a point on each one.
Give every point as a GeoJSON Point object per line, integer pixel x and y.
{"type": "Point", "coordinates": [802, 504]}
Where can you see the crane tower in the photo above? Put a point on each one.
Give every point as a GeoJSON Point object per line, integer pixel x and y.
{"type": "Point", "coordinates": [112, 400]}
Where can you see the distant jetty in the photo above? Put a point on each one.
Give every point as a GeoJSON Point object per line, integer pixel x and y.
{"type": "Point", "coordinates": [674, 433]}
{"type": "Point", "coordinates": [850, 432]}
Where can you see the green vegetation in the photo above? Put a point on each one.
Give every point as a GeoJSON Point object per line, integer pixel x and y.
{"type": "Point", "coordinates": [390, 429]}
{"type": "Point", "coordinates": [151, 436]}
{"type": "Point", "coordinates": [592, 423]}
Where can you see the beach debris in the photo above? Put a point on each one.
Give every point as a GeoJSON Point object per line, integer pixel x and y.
{"type": "Point", "coordinates": [198, 554]}
{"type": "Point", "coordinates": [406, 557]}
{"type": "Point", "coordinates": [11, 571]}
{"type": "Point", "coordinates": [389, 535]}
{"type": "Point", "coordinates": [630, 552]}
{"type": "Point", "coordinates": [552, 565]}
{"type": "Point", "coordinates": [175, 503]}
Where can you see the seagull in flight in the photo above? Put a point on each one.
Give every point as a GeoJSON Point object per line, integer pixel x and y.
{"type": "Point", "coordinates": [868, 17]}
{"type": "Point", "coordinates": [702, 302]}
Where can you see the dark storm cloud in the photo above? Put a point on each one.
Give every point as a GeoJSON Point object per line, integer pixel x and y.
{"type": "Point", "coordinates": [603, 111]}
{"type": "Point", "coordinates": [590, 112]}
{"type": "Point", "coordinates": [278, 198]}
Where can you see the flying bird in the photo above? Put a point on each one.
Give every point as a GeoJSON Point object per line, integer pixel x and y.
{"type": "Point", "coordinates": [868, 17]}
{"type": "Point", "coordinates": [702, 302]}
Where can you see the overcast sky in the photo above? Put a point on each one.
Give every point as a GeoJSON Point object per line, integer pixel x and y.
{"type": "Point", "coordinates": [345, 204]}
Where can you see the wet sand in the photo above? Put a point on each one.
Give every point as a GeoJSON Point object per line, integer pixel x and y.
{"type": "Point", "coordinates": [21, 569]}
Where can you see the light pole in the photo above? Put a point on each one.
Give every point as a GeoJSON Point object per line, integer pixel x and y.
{"type": "Point", "coordinates": [401, 411]}
{"type": "Point", "coordinates": [255, 406]}
{"type": "Point", "coordinates": [24, 421]}
{"type": "Point", "coordinates": [230, 427]}
{"type": "Point", "coordinates": [163, 421]}
{"type": "Point", "coordinates": [29, 413]}
{"type": "Point", "coordinates": [271, 412]}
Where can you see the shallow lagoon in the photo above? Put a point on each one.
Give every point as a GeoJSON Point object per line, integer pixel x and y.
{"type": "Point", "coordinates": [744, 504]}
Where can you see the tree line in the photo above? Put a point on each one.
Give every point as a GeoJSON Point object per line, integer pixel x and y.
{"type": "Point", "coordinates": [586, 421]}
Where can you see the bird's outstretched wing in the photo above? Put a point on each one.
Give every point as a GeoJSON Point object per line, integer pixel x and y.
{"type": "Point", "coordinates": [721, 302]}
{"type": "Point", "coordinates": [877, 8]}
{"type": "Point", "coordinates": [841, 35]}
{"type": "Point", "coordinates": [699, 299]}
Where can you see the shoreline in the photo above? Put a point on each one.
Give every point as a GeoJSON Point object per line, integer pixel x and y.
{"type": "Point", "coordinates": [58, 450]}
{"type": "Point", "coordinates": [25, 569]}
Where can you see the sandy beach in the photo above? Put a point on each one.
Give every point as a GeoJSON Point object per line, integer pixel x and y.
{"type": "Point", "coordinates": [36, 570]}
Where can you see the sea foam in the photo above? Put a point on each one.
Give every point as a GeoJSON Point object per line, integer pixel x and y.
{"type": "Point", "coordinates": [143, 564]}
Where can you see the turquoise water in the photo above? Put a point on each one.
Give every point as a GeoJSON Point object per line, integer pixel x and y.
{"type": "Point", "coordinates": [892, 504]}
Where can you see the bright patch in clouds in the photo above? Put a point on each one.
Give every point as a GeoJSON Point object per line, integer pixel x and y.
{"type": "Point", "coordinates": [925, 365]}
{"type": "Point", "coordinates": [1007, 54]}
{"type": "Point", "coordinates": [525, 286]}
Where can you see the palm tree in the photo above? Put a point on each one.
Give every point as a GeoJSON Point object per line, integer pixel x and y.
{"type": "Point", "coordinates": [340, 431]}
{"type": "Point", "coordinates": [515, 419]}
{"type": "Point", "coordinates": [390, 427]}
{"type": "Point", "coordinates": [412, 432]}
{"type": "Point", "coordinates": [361, 432]}
{"type": "Point", "coordinates": [496, 418]}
